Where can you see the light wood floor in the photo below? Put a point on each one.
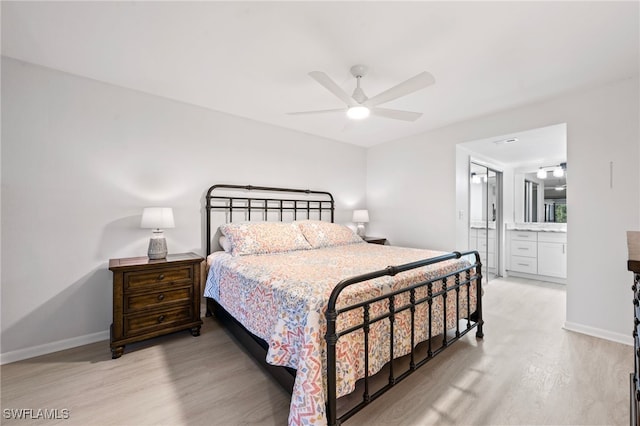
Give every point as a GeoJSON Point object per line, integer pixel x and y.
{"type": "Point", "coordinates": [527, 370]}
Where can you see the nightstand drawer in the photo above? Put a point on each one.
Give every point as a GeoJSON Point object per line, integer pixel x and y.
{"type": "Point", "coordinates": [160, 277]}
{"type": "Point", "coordinates": [136, 302]}
{"type": "Point", "coordinates": [135, 324]}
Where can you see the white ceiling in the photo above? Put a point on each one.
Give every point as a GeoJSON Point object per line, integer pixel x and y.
{"type": "Point", "coordinates": [252, 59]}
{"type": "Point", "coordinates": [529, 149]}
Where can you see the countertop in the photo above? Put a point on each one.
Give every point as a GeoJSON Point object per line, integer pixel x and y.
{"type": "Point", "coordinates": [538, 227]}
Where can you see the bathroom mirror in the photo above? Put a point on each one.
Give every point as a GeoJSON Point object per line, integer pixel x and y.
{"type": "Point", "coordinates": [541, 199]}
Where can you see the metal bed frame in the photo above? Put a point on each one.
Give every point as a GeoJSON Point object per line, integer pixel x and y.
{"type": "Point", "coordinates": [321, 202]}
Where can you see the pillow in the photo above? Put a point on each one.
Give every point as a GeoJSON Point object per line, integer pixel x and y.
{"type": "Point", "coordinates": [263, 237]}
{"type": "Point", "coordinates": [224, 243]}
{"type": "Point", "coordinates": [327, 234]}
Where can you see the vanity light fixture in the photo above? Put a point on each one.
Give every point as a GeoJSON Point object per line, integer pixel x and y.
{"type": "Point", "coordinates": [475, 178]}
{"type": "Point", "coordinates": [558, 172]}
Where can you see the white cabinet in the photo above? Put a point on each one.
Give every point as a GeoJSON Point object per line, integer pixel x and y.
{"type": "Point", "coordinates": [537, 254]}
{"type": "Point", "coordinates": [552, 255]}
{"type": "Point", "coordinates": [523, 252]}
{"type": "Point", "coordinates": [473, 239]}
{"type": "Point", "coordinates": [484, 241]}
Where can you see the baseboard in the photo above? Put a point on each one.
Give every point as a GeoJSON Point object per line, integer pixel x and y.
{"type": "Point", "coordinates": [48, 348]}
{"type": "Point", "coordinates": [598, 332]}
{"type": "Point", "coordinates": [537, 277]}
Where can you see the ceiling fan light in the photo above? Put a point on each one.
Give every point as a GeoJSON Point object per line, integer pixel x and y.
{"type": "Point", "coordinates": [542, 174]}
{"type": "Point", "coordinates": [358, 112]}
{"type": "Point", "coordinates": [558, 172]}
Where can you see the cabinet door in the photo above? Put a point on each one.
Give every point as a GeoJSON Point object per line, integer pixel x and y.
{"type": "Point", "coordinates": [552, 259]}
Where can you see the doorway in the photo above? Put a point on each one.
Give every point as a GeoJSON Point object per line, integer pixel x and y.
{"type": "Point", "coordinates": [485, 216]}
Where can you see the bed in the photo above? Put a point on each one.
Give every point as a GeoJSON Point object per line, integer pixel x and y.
{"type": "Point", "coordinates": [310, 296]}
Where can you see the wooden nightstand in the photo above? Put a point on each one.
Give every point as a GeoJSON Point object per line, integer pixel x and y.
{"type": "Point", "coordinates": [154, 297]}
{"type": "Point", "coordinates": [375, 240]}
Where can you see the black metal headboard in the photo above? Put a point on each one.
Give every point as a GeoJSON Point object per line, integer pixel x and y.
{"type": "Point", "coordinates": [264, 202]}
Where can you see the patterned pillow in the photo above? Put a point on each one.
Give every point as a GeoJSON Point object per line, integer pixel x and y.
{"type": "Point", "coordinates": [224, 243]}
{"type": "Point", "coordinates": [263, 237]}
{"type": "Point", "coordinates": [327, 234]}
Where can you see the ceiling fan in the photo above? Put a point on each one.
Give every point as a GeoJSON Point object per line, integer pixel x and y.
{"type": "Point", "coordinates": [359, 106]}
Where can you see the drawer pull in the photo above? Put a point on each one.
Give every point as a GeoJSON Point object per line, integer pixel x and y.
{"type": "Point", "coordinates": [160, 297]}
{"type": "Point", "coordinates": [523, 264]}
{"type": "Point", "coordinates": [161, 318]}
{"type": "Point", "coordinates": [523, 248]}
{"type": "Point", "coordinates": [160, 277]}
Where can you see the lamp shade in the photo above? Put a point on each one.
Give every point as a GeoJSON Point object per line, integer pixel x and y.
{"type": "Point", "coordinates": [157, 217]}
{"type": "Point", "coordinates": [361, 216]}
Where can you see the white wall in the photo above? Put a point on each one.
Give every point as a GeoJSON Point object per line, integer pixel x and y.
{"type": "Point", "coordinates": [411, 187]}
{"type": "Point", "coordinates": [80, 159]}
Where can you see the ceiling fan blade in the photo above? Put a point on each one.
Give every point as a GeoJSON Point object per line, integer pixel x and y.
{"type": "Point", "coordinates": [396, 114]}
{"type": "Point", "coordinates": [321, 111]}
{"type": "Point", "coordinates": [414, 84]}
{"type": "Point", "coordinates": [331, 86]}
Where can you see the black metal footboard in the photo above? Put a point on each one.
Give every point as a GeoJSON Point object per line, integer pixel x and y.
{"type": "Point", "coordinates": [420, 296]}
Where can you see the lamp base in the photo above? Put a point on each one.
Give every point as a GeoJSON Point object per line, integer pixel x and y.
{"type": "Point", "coordinates": [360, 230]}
{"type": "Point", "coordinates": [157, 246]}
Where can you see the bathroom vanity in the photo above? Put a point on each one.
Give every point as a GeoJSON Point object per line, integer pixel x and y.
{"type": "Point", "coordinates": [537, 251]}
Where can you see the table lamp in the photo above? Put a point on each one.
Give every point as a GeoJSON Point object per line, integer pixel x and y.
{"type": "Point", "coordinates": [360, 217]}
{"type": "Point", "coordinates": [157, 218]}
